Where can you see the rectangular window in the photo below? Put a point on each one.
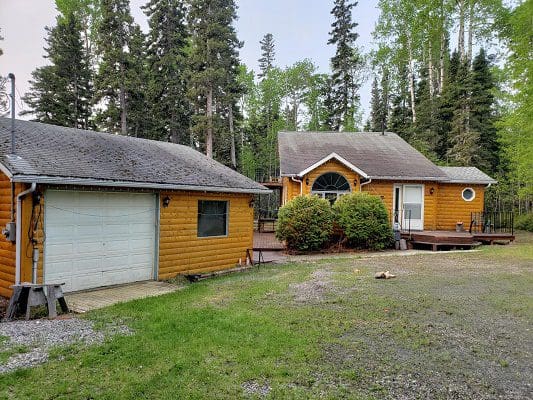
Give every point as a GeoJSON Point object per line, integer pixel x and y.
{"type": "Point", "coordinates": [212, 218]}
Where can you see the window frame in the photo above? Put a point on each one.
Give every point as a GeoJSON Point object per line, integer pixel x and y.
{"type": "Point", "coordinates": [226, 226]}
{"type": "Point", "coordinates": [323, 193]}
{"type": "Point", "coordinates": [473, 194]}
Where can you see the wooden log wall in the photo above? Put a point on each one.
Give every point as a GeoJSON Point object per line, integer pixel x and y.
{"type": "Point", "coordinates": [7, 248]}
{"type": "Point", "coordinates": [452, 208]}
{"type": "Point", "coordinates": [181, 251]}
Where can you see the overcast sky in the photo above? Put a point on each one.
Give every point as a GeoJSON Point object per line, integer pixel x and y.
{"type": "Point", "coordinates": [300, 29]}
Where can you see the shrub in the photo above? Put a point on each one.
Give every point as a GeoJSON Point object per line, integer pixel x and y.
{"type": "Point", "coordinates": [305, 223]}
{"type": "Point", "coordinates": [364, 220]}
{"type": "Point", "coordinates": [524, 222]}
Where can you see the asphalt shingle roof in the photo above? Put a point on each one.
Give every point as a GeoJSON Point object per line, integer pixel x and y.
{"type": "Point", "coordinates": [379, 156]}
{"type": "Point", "coordinates": [56, 154]}
{"type": "Point", "coordinates": [467, 175]}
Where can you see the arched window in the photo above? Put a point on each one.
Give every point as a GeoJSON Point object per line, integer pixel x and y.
{"type": "Point", "coordinates": [331, 186]}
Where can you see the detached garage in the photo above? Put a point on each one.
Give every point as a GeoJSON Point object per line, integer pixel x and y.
{"type": "Point", "coordinates": [93, 209]}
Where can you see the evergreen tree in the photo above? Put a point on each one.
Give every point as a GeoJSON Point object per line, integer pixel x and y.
{"type": "Point", "coordinates": [136, 78]}
{"type": "Point", "coordinates": [114, 35]}
{"type": "Point", "coordinates": [425, 136]}
{"type": "Point", "coordinates": [464, 140]}
{"type": "Point", "coordinates": [61, 92]}
{"type": "Point", "coordinates": [268, 53]}
{"type": "Point", "coordinates": [482, 113]}
{"type": "Point", "coordinates": [385, 100]}
{"type": "Point", "coordinates": [346, 65]}
{"type": "Point", "coordinates": [400, 120]}
{"type": "Point", "coordinates": [231, 92]}
{"type": "Point", "coordinates": [169, 112]}
{"type": "Point", "coordinates": [377, 108]}
{"type": "Point", "coordinates": [214, 47]}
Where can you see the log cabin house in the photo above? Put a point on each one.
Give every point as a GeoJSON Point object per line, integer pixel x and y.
{"type": "Point", "coordinates": [93, 209]}
{"type": "Point", "coordinates": [419, 195]}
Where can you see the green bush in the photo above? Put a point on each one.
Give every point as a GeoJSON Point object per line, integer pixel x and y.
{"type": "Point", "coordinates": [364, 220]}
{"type": "Point", "coordinates": [524, 222]}
{"type": "Point", "coordinates": [305, 223]}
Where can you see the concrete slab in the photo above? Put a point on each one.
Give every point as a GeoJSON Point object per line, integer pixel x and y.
{"type": "Point", "coordinates": [88, 300]}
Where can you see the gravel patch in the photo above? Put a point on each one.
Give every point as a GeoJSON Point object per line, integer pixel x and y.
{"type": "Point", "coordinates": [254, 388]}
{"type": "Point", "coordinates": [39, 336]}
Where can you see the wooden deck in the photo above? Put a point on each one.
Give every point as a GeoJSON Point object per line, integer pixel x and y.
{"type": "Point", "coordinates": [453, 240]}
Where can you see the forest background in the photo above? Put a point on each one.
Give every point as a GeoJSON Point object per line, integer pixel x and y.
{"type": "Point", "coordinates": [452, 77]}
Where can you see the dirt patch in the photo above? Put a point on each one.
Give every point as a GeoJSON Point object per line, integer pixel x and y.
{"type": "Point", "coordinates": [450, 328]}
{"type": "Point", "coordinates": [314, 290]}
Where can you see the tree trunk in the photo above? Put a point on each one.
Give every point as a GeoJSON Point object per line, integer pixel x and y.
{"type": "Point", "coordinates": [295, 112]}
{"type": "Point", "coordinates": [470, 30]}
{"type": "Point", "coordinates": [442, 48]}
{"type": "Point", "coordinates": [174, 135]}
{"type": "Point", "coordinates": [209, 115]}
{"type": "Point", "coordinates": [232, 137]}
{"type": "Point", "coordinates": [430, 70]}
{"type": "Point", "coordinates": [123, 108]}
{"type": "Point", "coordinates": [461, 34]}
{"type": "Point", "coordinates": [411, 80]}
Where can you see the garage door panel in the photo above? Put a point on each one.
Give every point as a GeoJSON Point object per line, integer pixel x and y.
{"type": "Point", "coordinates": [119, 248]}
{"type": "Point", "coordinates": [139, 244]}
{"type": "Point", "coordinates": [54, 250]}
{"type": "Point", "coordinates": [60, 268]}
{"type": "Point", "coordinates": [97, 239]}
{"type": "Point", "coordinates": [117, 229]}
{"type": "Point", "coordinates": [61, 231]}
{"type": "Point", "coordinates": [139, 259]}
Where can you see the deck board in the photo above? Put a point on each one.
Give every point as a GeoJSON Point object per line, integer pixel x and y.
{"type": "Point", "coordinates": [453, 239]}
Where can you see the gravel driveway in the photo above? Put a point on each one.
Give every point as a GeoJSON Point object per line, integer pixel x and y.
{"type": "Point", "coordinates": [25, 344]}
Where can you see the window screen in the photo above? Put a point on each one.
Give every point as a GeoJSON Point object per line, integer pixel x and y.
{"type": "Point", "coordinates": [212, 218]}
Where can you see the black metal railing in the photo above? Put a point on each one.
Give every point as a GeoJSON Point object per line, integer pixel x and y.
{"type": "Point", "coordinates": [403, 219]}
{"type": "Point", "coordinates": [267, 175]}
{"type": "Point", "coordinates": [268, 213]}
{"type": "Point", "coordinates": [492, 222]}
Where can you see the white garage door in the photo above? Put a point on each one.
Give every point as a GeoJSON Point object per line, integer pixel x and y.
{"type": "Point", "coordinates": [98, 239]}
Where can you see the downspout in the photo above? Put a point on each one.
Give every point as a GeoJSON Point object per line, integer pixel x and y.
{"type": "Point", "coordinates": [364, 183]}
{"type": "Point", "coordinates": [13, 145]}
{"type": "Point", "coordinates": [301, 184]}
{"type": "Point", "coordinates": [19, 231]}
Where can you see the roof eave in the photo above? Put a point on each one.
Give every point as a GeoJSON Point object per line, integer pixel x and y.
{"type": "Point", "coordinates": [410, 178]}
{"type": "Point", "coordinates": [6, 171]}
{"type": "Point", "coordinates": [55, 180]}
{"type": "Point", "coordinates": [473, 182]}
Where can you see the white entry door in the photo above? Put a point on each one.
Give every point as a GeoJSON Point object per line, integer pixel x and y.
{"type": "Point", "coordinates": [413, 207]}
{"type": "Point", "coordinates": [98, 239]}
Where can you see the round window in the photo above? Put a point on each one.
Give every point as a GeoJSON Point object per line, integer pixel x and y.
{"type": "Point", "coordinates": [469, 194]}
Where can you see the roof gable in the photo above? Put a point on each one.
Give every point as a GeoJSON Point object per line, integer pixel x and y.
{"type": "Point", "coordinates": [333, 156]}
{"type": "Point", "coordinates": [54, 154]}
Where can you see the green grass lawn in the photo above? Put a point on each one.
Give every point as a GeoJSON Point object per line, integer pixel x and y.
{"type": "Point", "coordinates": [449, 326]}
